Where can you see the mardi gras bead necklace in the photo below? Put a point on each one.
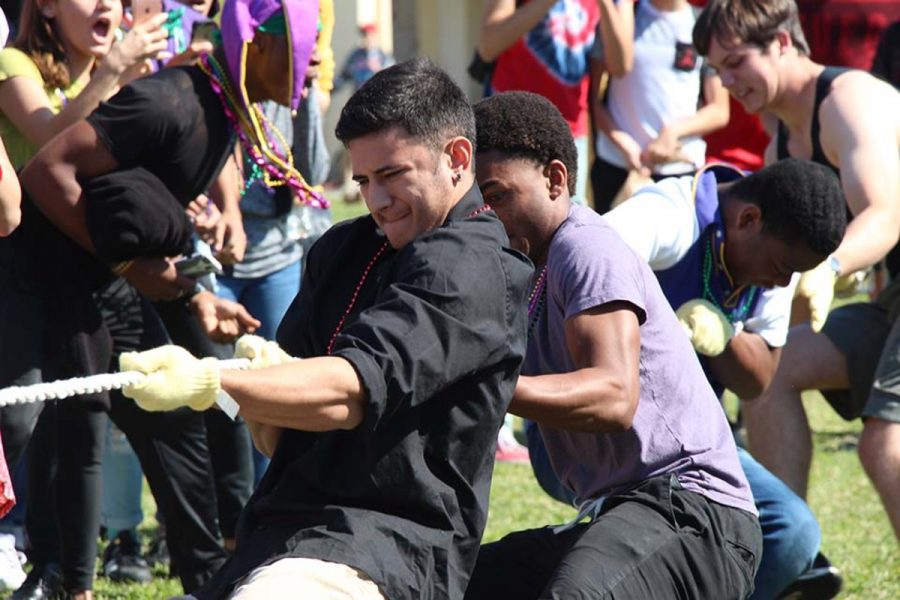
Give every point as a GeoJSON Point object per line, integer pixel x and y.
{"type": "Point", "coordinates": [365, 274]}
{"type": "Point", "coordinates": [746, 300]}
{"type": "Point", "coordinates": [255, 131]}
{"type": "Point", "coordinates": [536, 300]}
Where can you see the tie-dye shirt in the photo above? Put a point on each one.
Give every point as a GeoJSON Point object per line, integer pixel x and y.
{"type": "Point", "coordinates": [554, 60]}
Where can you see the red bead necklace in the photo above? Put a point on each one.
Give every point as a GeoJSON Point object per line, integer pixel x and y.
{"type": "Point", "coordinates": [365, 274]}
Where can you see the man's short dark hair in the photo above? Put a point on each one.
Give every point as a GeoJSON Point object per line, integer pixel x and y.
{"type": "Point", "coordinates": [750, 21]}
{"type": "Point", "coordinates": [800, 200]}
{"type": "Point", "coordinates": [416, 96]}
{"type": "Point", "coordinates": [526, 125]}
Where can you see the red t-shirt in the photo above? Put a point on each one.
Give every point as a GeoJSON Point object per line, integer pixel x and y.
{"type": "Point", "coordinates": [554, 60]}
{"type": "Point", "coordinates": [743, 141]}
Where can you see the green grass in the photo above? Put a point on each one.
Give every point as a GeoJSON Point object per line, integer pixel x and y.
{"type": "Point", "coordinates": [856, 534]}
{"type": "Point", "coordinates": [341, 211]}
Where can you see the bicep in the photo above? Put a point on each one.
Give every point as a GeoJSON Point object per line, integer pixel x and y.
{"type": "Point", "coordinates": [870, 177]}
{"type": "Point", "coordinates": [55, 171]}
{"type": "Point", "coordinates": [606, 337]}
{"type": "Point", "coordinates": [80, 148]}
{"type": "Point", "coordinates": [25, 103]}
{"type": "Point", "coordinates": [863, 145]}
{"type": "Point", "coordinates": [626, 9]}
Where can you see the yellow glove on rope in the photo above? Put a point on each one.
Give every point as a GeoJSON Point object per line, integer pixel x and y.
{"type": "Point", "coordinates": [706, 325]}
{"type": "Point", "coordinates": [174, 379]}
{"type": "Point", "coordinates": [817, 288]}
{"type": "Point", "coordinates": [261, 352]}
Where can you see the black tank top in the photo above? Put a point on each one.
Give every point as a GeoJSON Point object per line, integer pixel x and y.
{"type": "Point", "coordinates": [823, 88]}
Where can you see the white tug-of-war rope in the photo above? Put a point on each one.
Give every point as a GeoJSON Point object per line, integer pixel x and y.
{"type": "Point", "coordinates": [78, 386]}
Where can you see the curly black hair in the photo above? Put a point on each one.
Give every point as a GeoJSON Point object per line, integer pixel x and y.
{"type": "Point", "coordinates": [526, 125]}
{"type": "Point", "coordinates": [415, 95]}
{"type": "Point", "coordinates": [800, 200]}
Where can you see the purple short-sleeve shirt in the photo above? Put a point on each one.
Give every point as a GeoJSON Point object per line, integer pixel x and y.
{"type": "Point", "coordinates": [679, 426]}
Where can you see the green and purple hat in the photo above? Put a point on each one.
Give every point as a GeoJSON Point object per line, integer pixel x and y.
{"type": "Point", "coordinates": [298, 19]}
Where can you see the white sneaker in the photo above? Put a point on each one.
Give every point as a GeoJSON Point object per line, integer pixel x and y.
{"type": "Point", "coordinates": [11, 574]}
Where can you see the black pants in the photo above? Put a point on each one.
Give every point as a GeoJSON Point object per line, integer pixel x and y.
{"type": "Point", "coordinates": [172, 449]}
{"type": "Point", "coordinates": [230, 446]}
{"type": "Point", "coordinates": [657, 541]}
{"type": "Point", "coordinates": [21, 345]}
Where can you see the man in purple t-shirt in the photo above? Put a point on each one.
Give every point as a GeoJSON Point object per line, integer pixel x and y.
{"type": "Point", "coordinates": [630, 422]}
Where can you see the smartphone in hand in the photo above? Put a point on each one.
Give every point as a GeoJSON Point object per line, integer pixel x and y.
{"type": "Point", "coordinates": [204, 30]}
{"type": "Point", "coordinates": [143, 10]}
{"type": "Point", "coordinates": [197, 266]}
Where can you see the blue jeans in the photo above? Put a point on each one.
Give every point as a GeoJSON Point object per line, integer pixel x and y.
{"type": "Point", "coordinates": [791, 534]}
{"type": "Point", "coordinates": [267, 298]}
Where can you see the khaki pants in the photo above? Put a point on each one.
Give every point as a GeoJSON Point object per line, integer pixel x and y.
{"type": "Point", "coordinates": [307, 578]}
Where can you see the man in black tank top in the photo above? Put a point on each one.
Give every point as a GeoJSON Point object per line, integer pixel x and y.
{"type": "Point", "coordinates": [850, 121]}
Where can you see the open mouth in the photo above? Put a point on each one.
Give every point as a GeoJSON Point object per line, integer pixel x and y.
{"type": "Point", "coordinates": [102, 28]}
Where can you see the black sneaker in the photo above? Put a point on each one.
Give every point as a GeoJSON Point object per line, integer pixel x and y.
{"type": "Point", "coordinates": [122, 560]}
{"type": "Point", "coordinates": [44, 582]}
{"type": "Point", "coordinates": [822, 581]}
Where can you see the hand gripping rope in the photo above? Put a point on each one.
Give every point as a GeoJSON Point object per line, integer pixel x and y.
{"type": "Point", "coordinates": [78, 386]}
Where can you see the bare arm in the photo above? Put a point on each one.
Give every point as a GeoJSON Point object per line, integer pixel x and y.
{"type": "Point", "coordinates": [230, 239]}
{"type": "Point", "coordinates": [617, 35]}
{"type": "Point", "coordinates": [711, 116]}
{"type": "Point", "coordinates": [503, 24]}
{"type": "Point", "coordinates": [10, 195]}
{"type": "Point", "coordinates": [599, 82]}
{"type": "Point", "coordinates": [25, 103]}
{"type": "Point", "coordinates": [265, 437]}
{"type": "Point", "coordinates": [747, 365]}
{"type": "Point", "coordinates": [603, 122]}
{"type": "Point", "coordinates": [602, 394]}
{"type": "Point", "coordinates": [314, 394]}
{"type": "Point", "coordinates": [51, 179]}
{"type": "Point", "coordinates": [863, 143]}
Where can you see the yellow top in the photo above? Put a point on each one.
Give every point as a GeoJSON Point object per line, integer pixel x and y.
{"type": "Point", "coordinates": [15, 63]}
{"type": "Point", "coordinates": [323, 45]}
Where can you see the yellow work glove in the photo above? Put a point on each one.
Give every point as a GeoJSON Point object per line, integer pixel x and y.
{"type": "Point", "coordinates": [706, 326]}
{"type": "Point", "coordinates": [816, 287]}
{"type": "Point", "coordinates": [261, 352]}
{"type": "Point", "coordinates": [175, 378]}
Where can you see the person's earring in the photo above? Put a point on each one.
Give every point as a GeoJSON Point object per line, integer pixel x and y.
{"type": "Point", "coordinates": [457, 177]}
